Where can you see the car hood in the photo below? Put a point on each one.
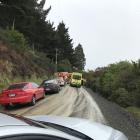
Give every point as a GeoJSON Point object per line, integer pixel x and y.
{"type": "Point", "coordinates": [94, 130]}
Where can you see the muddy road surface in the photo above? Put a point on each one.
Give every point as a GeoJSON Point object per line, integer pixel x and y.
{"type": "Point", "coordinates": [83, 103]}
{"type": "Point", "coordinates": [70, 101]}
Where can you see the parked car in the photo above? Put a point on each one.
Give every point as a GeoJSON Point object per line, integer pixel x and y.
{"type": "Point", "coordinates": [61, 81]}
{"type": "Point", "coordinates": [14, 127]}
{"type": "Point", "coordinates": [51, 86]}
{"type": "Point", "coordinates": [19, 93]}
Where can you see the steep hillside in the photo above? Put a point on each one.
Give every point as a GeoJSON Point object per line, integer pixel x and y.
{"type": "Point", "coordinates": [29, 43]}
{"type": "Point", "coordinates": [18, 64]}
{"type": "Point", "coordinates": [30, 17]}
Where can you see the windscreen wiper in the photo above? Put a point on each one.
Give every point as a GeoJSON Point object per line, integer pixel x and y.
{"type": "Point", "coordinates": [67, 130]}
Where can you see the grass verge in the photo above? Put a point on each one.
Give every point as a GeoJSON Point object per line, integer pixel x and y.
{"type": "Point", "coordinates": [135, 111]}
{"type": "Point", "coordinates": [4, 83]}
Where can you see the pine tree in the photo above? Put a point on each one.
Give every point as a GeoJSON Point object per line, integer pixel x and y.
{"type": "Point", "coordinates": [80, 59]}
{"type": "Point", "coordinates": [65, 45]}
{"type": "Point", "coordinates": [28, 17]}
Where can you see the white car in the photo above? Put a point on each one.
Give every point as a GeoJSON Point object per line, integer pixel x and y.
{"type": "Point", "coordinates": [61, 81]}
{"type": "Point", "coordinates": [13, 127]}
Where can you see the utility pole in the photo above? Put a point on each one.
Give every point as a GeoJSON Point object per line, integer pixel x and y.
{"type": "Point", "coordinates": [33, 47]}
{"type": "Point", "coordinates": [13, 26]}
{"type": "Point", "coordinates": [56, 60]}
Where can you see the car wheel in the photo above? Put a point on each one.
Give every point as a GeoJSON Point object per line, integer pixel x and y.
{"type": "Point", "coordinates": [59, 88]}
{"type": "Point", "coordinates": [46, 92]}
{"type": "Point", "coordinates": [44, 95]}
{"type": "Point", "coordinates": [57, 91]}
{"type": "Point", "coordinates": [9, 106]}
{"type": "Point", "coordinates": [33, 101]}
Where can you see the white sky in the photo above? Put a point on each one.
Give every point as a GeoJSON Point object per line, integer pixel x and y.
{"type": "Point", "coordinates": [109, 30]}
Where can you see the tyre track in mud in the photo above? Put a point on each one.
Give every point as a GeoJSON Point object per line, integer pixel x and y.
{"type": "Point", "coordinates": [83, 103]}
{"type": "Point", "coordinates": [26, 109]}
{"type": "Point", "coordinates": [85, 107]}
{"type": "Point", "coordinates": [72, 102]}
{"type": "Point", "coordinates": [50, 106]}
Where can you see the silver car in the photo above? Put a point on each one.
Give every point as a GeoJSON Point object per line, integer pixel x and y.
{"type": "Point", "coordinates": [13, 127]}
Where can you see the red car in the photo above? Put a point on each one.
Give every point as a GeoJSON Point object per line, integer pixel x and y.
{"type": "Point", "coordinates": [19, 93]}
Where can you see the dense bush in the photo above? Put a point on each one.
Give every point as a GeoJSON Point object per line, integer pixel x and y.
{"type": "Point", "coordinates": [29, 42]}
{"type": "Point", "coordinates": [18, 62]}
{"type": "Point", "coordinates": [119, 82]}
{"type": "Point", "coordinates": [122, 97]}
{"type": "Point", "coordinates": [14, 39]}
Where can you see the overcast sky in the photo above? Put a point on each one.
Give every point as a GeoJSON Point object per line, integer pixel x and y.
{"type": "Point", "coordinates": [109, 30]}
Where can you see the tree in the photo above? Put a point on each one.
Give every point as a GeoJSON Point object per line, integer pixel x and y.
{"type": "Point", "coordinates": [119, 82]}
{"type": "Point", "coordinates": [29, 18]}
{"type": "Point", "coordinates": [64, 43]}
{"type": "Point", "coordinates": [14, 39]}
{"type": "Point", "coordinates": [80, 59]}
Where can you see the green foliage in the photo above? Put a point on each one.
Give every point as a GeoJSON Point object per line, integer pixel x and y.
{"type": "Point", "coordinates": [29, 17]}
{"type": "Point", "coordinates": [134, 110]}
{"type": "Point", "coordinates": [3, 81]}
{"type": "Point", "coordinates": [28, 42]}
{"type": "Point", "coordinates": [79, 56]}
{"type": "Point", "coordinates": [107, 83]}
{"type": "Point", "coordinates": [122, 97]}
{"type": "Point", "coordinates": [41, 61]}
{"type": "Point", "coordinates": [64, 66]}
{"type": "Point", "coordinates": [14, 39]}
{"type": "Point", "coordinates": [6, 81]}
{"type": "Point", "coordinates": [14, 63]}
{"type": "Point", "coordinates": [64, 43]}
{"type": "Point", "coordinates": [90, 79]}
{"type": "Point", "coordinates": [118, 82]}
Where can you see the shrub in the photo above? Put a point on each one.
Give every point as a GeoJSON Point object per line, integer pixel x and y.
{"type": "Point", "coordinates": [14, 39]}
{"type": "Point", "coordinates": [134, 110]}
{"type": "Point", "coordinates": [122, 97]}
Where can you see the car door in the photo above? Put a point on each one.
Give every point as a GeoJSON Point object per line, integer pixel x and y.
{"type": "Point", "coordinates": [36, 90]}
{"type": "Point", "coordinates": [29, 89]}
{"type": "Point", "coordinates": [56, 85]}
{"type": "Point", "coordinates": [40, 90]}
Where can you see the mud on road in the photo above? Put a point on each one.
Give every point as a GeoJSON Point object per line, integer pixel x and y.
{"type": "Point", "coordinates": [73, 102]}
{"type": "Point", "coordinates": [83, 103]}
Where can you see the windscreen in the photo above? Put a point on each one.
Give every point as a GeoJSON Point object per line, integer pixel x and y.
{"type": "Point", "coordinates": [17, 86]}
{"type": "Point", "coordinates": [49, 84]}
{"type": "Point", "coordinates": [77, 77]}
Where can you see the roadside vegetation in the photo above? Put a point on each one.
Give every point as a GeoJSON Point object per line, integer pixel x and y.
{"type": "Point", "coordinates": [28, 43]}
{"type": "Point", "coordinates": [18, 62]}
{"type": "Point", "coordinates": [135, 111]}
{"type": "Point", "coordinates": [119, 83]}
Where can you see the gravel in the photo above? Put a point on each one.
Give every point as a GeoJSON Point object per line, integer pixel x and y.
{"type": "Point", "coordinates": [117, 117]}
